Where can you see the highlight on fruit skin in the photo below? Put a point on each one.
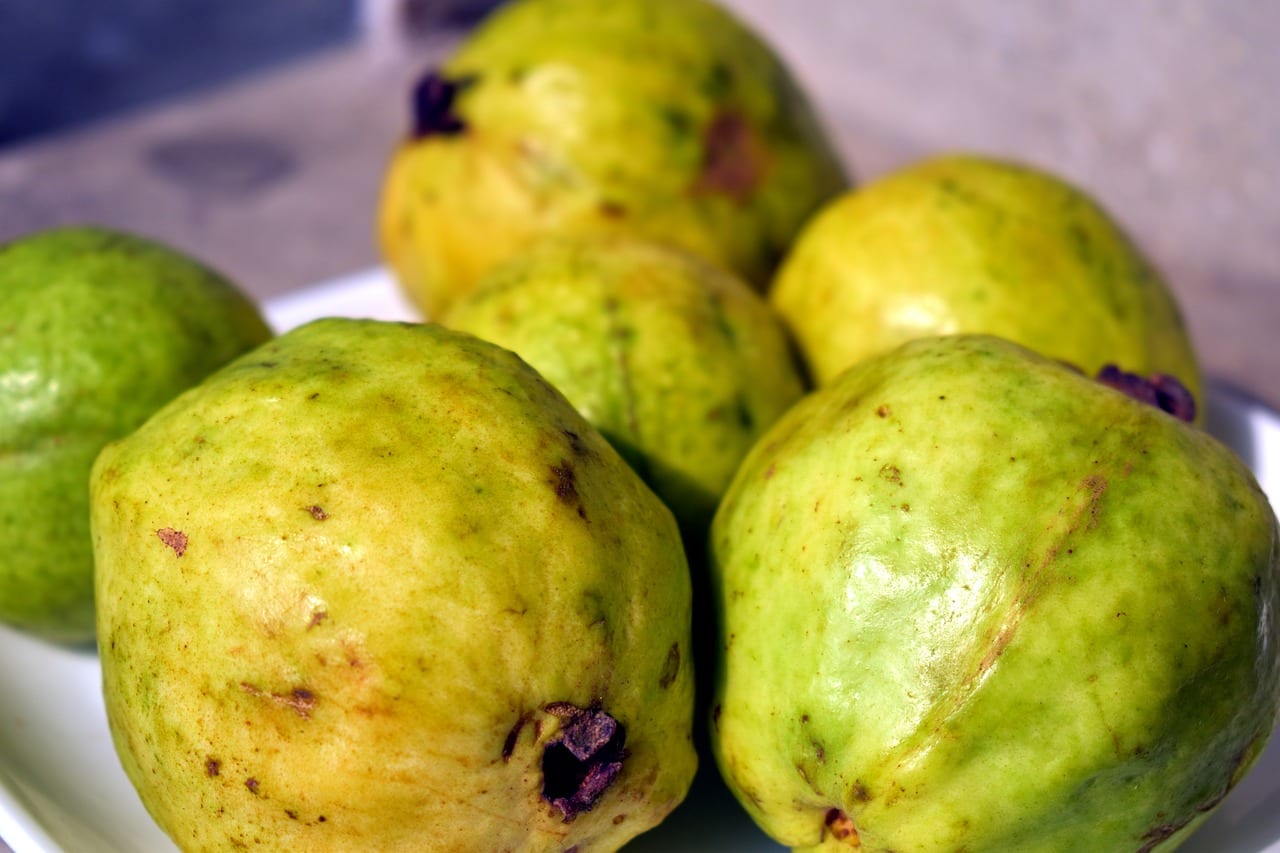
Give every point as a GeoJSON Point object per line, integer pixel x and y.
{"type": "Point", "coordinates": [971, 598]}
{"type": "Point", "coordinates": [98, 329]}
{"type": "Point", "coordinates": [966, 243]}
{"type": "Point", "coordinates": [669, 119]}
{"type": "Point", "coordinates": [379, 586]}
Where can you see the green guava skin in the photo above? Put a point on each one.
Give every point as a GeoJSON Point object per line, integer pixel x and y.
{"type": "Point", "coordinates": [98, 329]}
{"type": "Point", "coordinates": [666, 118]}
{"type": "Point", "coordinates": [969, 244]}
{"type": "Point", "coordinates": [679, 364]}
{"type": "Point", "coordinates": [343, 583]}
{"type": "Point", "coordinates": [972, 600]}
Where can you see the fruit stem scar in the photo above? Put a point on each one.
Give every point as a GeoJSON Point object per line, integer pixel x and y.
{"type": "Point", "coordinates": [1160, 390]}
{"type": "Point", "coordinates": [583, 760]}
{"type": "Point", "coordinates": [433, 105]}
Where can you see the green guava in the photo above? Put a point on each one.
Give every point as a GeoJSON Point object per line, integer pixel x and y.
{"type": "Point", "coordinates": [379, 586]}
{"type": "Point", "coordinates": [98, 329]}
{"type": "Point", "coordinates": [667, 118]}
{"type": "Point", "coordinates": [968, 244]}
{"type": "Point", "coordinates": [974, 600]}
{"type": "Point", "coordinates": [681, 365]}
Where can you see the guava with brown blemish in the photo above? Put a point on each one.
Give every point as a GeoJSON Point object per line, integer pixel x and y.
{"type": "Point", "coordinates": [970, 244]}
{"type": "Point", "coordinates": [665, 118]}
{"type": "Point", "coordinates": [98, 329]}
{"type": "Point", "coordinates": [420, 603]}
{"type": "Point", "coordinates": [1067, 642]}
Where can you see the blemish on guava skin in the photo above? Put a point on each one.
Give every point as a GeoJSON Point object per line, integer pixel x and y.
{"type": "Point", "coordinates": [612, 209]}
{"type": "Point", "coordinates": [1160, 390]}
{"type": "Point", "coordinates": [671, 668]}
{"type": "Point", "coordinates": [212, 766]}
{"type": "Point", "coordinates": [583, 760]}
{"type": "Point", "coordinates": [732, 164]}
{"type": "Point", "coordinates": [317, 512]}
{"type": "Point", "coordinates": [300, 700]}
{"type": "Point", "coordinates": [175, 539]}
{"type": "Point", "coordinates": [576, 444]}
{"type": "Point", "coordinates": [434, 97]}
{"type": "Point", "coordinates": [509, 743]}
{"type": "Point", "coordinates": [841, 827]}
{"type": "Point", "coordinates": [564, 482]}
{"type": "Point", "coordinates": [252, 784]}
{"type": "Point", "coordinates": [883, 411]}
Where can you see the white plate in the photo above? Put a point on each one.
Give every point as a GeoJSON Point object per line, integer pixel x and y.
{"type": "Point", "coordinates": [62, 788]}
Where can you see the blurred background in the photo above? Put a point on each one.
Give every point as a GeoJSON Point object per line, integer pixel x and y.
{"type": "Point", "coordinates": [253, 134]}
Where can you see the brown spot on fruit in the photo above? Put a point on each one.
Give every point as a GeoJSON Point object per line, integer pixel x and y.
{"type": "Point", "coordinates": [565, 484]}
{"type": "Point", "coordinates": [841, 827]}
{"type": "Point", "coordinates": [733, 161]}
{"type": "Point", "coordinates": [252, 784]}
{"type": "Point", "coordinates": [212, 766]}
{"type": "Point", "coordinates": [317, 512]}
{"type": "Point", "coordinates": [671, 668]}
{"type": "Point", "coordinates": [175, 539]}
{"type": "Point", "coordinates": [884, 411]}
{"type": "Point", "coordinates": [583, 760]}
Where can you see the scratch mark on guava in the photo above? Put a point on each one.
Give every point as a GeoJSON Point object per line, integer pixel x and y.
{"type": "Point", "coordinates": [1080, 512]}
{"type": "Point", "coordinates": [175, 539]}
{"type": "Point", "coordinates": [300, 700]}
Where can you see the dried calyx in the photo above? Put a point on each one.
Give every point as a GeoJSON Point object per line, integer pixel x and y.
{"type": "Point", "coordinates": [434, 97]}
{"type": "Point", "coordinates": [583, 760]}
{"type": "Point", "coordinates": [1160, 390]}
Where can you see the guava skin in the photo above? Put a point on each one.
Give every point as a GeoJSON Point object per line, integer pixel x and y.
{"type": "Point", "coordinates": [679, 364]}
{"type": "Point", "coordinates": [98, 329]}
{"type": "Point", "coordinates": [664, 118]}
{"type": "Point", "coordinates": [968, 244]}
{"type": "Point", "coordinates": [972, 600]}
{"type": "Point", "coordinates": [370, 587]}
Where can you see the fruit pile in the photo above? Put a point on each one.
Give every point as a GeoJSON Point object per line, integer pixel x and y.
{"type": "Point", "coordinates": [892, 501]}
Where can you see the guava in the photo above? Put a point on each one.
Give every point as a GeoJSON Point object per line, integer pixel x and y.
{"type": "Point", "coordinates": [666, 118]}
{"type": "Point", "coordinates": [379, 586]}
{"type": "Point", "coordinates": [98, 329]}
{"type": "Point", "coordinates": [680, 364]}
{"type": "Point", "coordinates": [971, 244]}
{"type": "Point", "coordinates": [972, 599]}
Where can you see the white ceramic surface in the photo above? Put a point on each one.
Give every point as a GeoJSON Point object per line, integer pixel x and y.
{"type": "Point", "coordinates": [62, 789]}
